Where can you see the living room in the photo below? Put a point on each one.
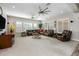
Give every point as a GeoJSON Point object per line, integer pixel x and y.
{"type": "Point", "coordinates": [44, 28]}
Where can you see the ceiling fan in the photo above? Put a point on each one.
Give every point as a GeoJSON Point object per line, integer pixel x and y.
{"type": "Point", "coordinates": [44, 10]}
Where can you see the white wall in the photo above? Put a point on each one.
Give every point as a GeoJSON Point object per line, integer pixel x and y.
{"type": "Point", "coordinates": [75, 26]}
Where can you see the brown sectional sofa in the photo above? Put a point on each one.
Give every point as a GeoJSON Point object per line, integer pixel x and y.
{"type": "Point", "coordinates": [65, 36]}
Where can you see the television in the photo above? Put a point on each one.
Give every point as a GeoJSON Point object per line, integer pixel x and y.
{"type": "Point", "coordinates": [2, 22]}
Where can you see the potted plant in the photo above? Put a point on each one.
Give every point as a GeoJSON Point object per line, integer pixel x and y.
{"type": "Point", "coordinates": [40, 30]}
{"type": "Point", "coordinates": [40, 25]}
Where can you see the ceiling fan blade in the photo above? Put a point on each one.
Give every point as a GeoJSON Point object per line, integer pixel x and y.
{"type": "Point", "coordinates": [45, 9]}
{"type": "Point", "coordinates": [45, 13]}
{"type": "Point", "coordinates": [40, 8]}
{"type": "Point", "coordinates": [48, 4]}
{"type": "Point", "coordinates": [48, 11]}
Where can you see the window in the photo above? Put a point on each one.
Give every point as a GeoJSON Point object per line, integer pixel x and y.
{"type": "Point", "coordinates": [18, 26]}
{"type": "Point", "coordinates": [35, 26]}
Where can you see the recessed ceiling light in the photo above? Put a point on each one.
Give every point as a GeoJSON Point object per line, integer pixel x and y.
{"type": "Point", "coordinates": [13, 6]}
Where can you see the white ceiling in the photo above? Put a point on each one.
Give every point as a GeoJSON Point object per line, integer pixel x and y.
{"type": "Point", "coordinates": [29, 9]}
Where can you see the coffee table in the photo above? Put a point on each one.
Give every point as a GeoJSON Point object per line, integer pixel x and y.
{"type": "Point", "coordinates": [36, 36]}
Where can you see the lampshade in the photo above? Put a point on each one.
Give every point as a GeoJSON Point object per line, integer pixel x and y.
{"type": "Point", "coordinates": [12, 26]}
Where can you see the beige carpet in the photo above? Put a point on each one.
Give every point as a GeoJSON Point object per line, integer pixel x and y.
{"type": "Point", "coordinates": [46, 46]}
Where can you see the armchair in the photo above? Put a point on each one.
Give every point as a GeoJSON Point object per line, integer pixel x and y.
{"type": "Point", "coordinates": [65, 36]}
